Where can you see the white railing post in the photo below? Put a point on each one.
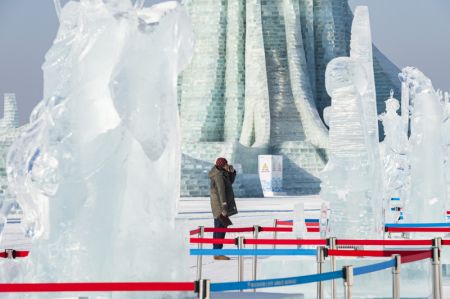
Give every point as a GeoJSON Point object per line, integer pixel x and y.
{"type": "Point", "coordinates": [204, 289]}
{"type": "Point", "coordinates": [396, 276]}
{"type": "Point", "coordinates": [199, 257]}
{"type": "Point", "coordinates": [348, 281]}
{"type": "Point", "coordinates": [255, 257]}
{"type": "Point", "coordinates": [332, 245]}
{"type": "Point", "coordinates": [320, 258]}
{"type": "Point", "coordinates": [437, 271]}
{"type": "Point", "coordinates": [240, 245]}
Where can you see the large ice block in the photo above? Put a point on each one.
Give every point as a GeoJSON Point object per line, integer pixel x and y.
{"type": "Point", "coordinates": [428, 184]}
{"type": "Point", "coordinates": [97, 173]}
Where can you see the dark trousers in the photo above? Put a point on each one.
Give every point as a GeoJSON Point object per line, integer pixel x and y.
{"type": "Point", "coordinates": [218, 224]}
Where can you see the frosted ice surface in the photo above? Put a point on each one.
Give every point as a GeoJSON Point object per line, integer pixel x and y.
{"type": "Point", "coordinates": [428, 186]}
{"type": "Point", "coordinates": [346, 179]}
{"type": "Point", "coordinates": [395, 159]}
{"type": "Point", "coordinates": [97, 173]}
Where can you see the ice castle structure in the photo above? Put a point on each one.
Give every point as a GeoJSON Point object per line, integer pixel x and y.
{"type": "Point", "coordinates": [97, 171]}
{"type": "Point", "coordinates": [256, 85]}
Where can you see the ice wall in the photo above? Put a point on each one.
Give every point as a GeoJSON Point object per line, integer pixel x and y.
{"type": "Point", "coordinates": [428, 185]}
{"type": "Point", "coordinates": [97, 173]}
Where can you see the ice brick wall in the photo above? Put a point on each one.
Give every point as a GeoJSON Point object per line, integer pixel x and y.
{"type": "Point", "coordinates": [235, 70]}
{"type": "Point", "coordinates": [241, 58]}
{"type": "Point", "coordinates": [203, 83]}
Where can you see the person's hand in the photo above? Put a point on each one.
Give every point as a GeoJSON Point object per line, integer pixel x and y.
{"type": "Point", "coordinates": [224, 213]}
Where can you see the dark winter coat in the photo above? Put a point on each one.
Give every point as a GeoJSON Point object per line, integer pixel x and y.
{"type": "Point", "coordinates": [221, 192]}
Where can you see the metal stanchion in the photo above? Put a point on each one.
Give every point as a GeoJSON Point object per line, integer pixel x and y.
{"type": "Point", "coordinates": [255, 257]}
{"type": "Point", "coordinates": [348, 281]}
{"type": "Point", "coordinates": [275, 233]}
{"type": "Point", "coordinates": [320, 260]}
{"type": "Point", "coordinates": [199, 257]}
{"type": "Point", "coordinates": [437, 273]}
{"type": "Point", "coordinates": [332, 245]}
{"type": "Point", "coordinates": [204, 289]}
{"type": "Point", "coordinates": [240, 244]}
{"type": "Point", "coordinates": [396, 277]}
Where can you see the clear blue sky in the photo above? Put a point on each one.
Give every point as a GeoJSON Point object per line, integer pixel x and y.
{"type": "Point", "coordinates": [409, 32]}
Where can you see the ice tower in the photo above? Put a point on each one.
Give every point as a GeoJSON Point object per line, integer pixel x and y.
{"type": "Point", "coordinates": [256, 85]}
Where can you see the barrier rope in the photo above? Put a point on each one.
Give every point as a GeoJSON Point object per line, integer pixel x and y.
{"type": "Point", "coordinates": [229, 230]}
{"type": "Point", "coordinates": [287, 222]}
{"type": "Point", "coordinates": [374, 253]}
{"type": "Point", "coordinates": [278, 282]}
{"type": "Point", "coordinates": [415, 225]}
{"type": "Point", "coordinates": [12, 254]}
{"type": "Point", "coordinates": [385, 242]}
{"type": "Point", "coordinates": [212, 241]}
{"type": "Point", "coordinates": [320, 242]}
{"type": "Point", "coordinates": [417, 257]}
{"type": "Point", "coordinates": [253, 252]}
{"type": "Point", "coordinates": [417, 229]}
{"type": "Point", "coordinates": [98, 287]}
{"type": "Point", "coordinates": [276, 229]}
{"type": "Point", "coordinates": [374, 268]}
{"type": "Point", "coordinates": [194, 232]}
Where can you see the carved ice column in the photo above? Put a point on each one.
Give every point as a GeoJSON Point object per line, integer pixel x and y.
{"type": "Point", "coordinates": [314, 129]}
{"type": "Point", "coordinates": [235, 70]}
{"type": "Point", "coordinates": [361, 51]}
{"type": "Point", "coordinates": [256, 126]}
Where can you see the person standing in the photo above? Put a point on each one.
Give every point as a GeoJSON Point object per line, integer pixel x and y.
{"type": "Point", "coordinates": [223, 205]}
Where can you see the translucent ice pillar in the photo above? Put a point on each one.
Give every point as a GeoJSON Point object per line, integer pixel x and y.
{"type": "Point", "coordinates": [347, 179]}
{"type": "Point", "coordinates": [428, 186]}
{"type": "Point", "coordinates": [97, 173]}
{"type": "Point", "coordinates": [361, 51]}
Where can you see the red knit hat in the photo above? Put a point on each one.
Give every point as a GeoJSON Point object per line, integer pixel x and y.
{"type": "Point", "coordinates": [221, 162]}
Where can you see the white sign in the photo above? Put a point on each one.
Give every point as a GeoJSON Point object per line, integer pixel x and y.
{"type": "Point", "coordinates": [271, 174]}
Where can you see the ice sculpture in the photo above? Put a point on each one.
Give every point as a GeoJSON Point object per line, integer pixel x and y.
{"type": "Point", "coordinates": [361, 51]}
{"type": "Point", "coordinates": [97, 173]}
{"type": "Point", "coordinates": [351, 181]}
{"type": "Point", "coordinates": [428, 186]}
{"type": "Point", "coordinates": [396, 163]}
{"type": "Point", "coordinates": [346, 179]}
{"type": "Point", "coordinates": [446, 144]}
